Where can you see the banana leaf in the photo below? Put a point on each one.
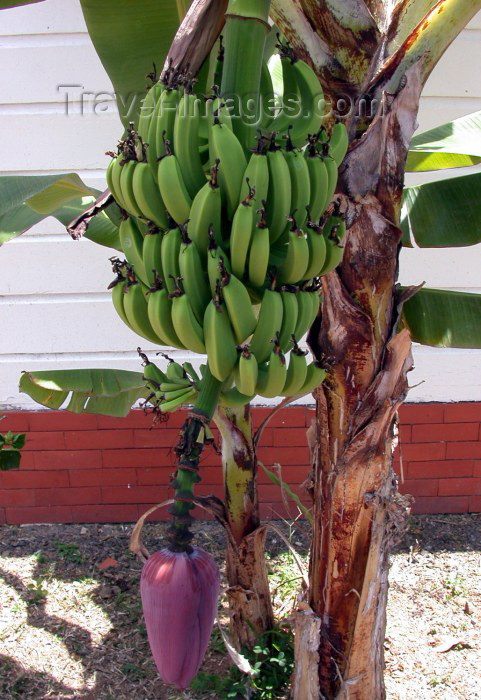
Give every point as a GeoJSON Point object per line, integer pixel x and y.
{"type": "Point", "coordinates": [444, 319]}
{"type": "Point", "coordinates": [108, 392]}
{"type": "Point", "coordinates": [456, 144]}
{"type": "Point", "coordinates": [129, 38]}
{"type": "Point", "coordinates": [443, 214]}
{"type": "Point", "coordinates": [43, 193]}
{"type": "Point", "coordinates": [27, 200]}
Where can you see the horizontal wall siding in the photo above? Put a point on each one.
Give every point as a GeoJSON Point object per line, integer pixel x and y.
{"type": "Point", "coordinates": [53, 297]}
{"type": "Point", "coordinates": [91, 468]}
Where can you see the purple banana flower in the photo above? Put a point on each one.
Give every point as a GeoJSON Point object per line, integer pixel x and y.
{"type": "Point", "coordinates": [179, 599]}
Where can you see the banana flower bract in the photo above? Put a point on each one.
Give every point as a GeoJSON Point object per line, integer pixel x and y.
{"type": "Point", "coordinates": [179, 593]}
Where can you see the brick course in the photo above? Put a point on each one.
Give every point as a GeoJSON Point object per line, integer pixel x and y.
{"type": "Point", "coordinates": [98, 469]}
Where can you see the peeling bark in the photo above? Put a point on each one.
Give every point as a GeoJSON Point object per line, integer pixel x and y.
{"type": "Point", "coordinates": [358, 512]}
{"type": "Point", "coordinates": [197, 35]}
{"type": "Point", "coordinates": [248, 593]}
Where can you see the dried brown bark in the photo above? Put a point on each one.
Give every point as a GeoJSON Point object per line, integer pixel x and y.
{"type": "Point", "coordinates": [358, 512]}
{"type": "Point", "coordinates": [197, 35]}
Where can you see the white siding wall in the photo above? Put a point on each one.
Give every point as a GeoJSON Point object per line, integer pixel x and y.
{"type": "Point", "coordinates": [55, 311]}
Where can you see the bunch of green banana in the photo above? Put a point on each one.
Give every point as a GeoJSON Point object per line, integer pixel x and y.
{"type": "Point", "coordinates": [177, 386]}
{"type": "Point", "coordinates": [225, 232]}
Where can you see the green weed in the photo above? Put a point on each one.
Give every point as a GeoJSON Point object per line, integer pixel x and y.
{"type": "Point", "coordinates": [69, 552]}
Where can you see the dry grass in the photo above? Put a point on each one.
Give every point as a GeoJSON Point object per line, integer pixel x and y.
{"type": "Point", "coordinates": [70, 630]}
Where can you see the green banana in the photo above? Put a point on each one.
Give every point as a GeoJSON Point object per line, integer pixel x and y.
{"type": "Point", "coordinates": [147, 110]}
{"type": "Point", "coordinates": [152, 373]}
{"type": "Point", "coordinates": [279, 193]}
{"type": "Point", "coordinates": [190, 371]}
{"type": "Point", "coordinates": [291, 100]}
{"type": "Point", "coordinates": [232, 164]}
{"type": "Point", "coordinates": [238, 304]}
{"type": "Point", "coordinates": [241, 233]}
{"type": "Point", "coordinates": [148, 197]}
{"type": "Point", "coordinates": [216, 111]}
{"type": "Point", "coordinates": [256, 173]}
{"type": "Point", "coordinates": [295, 264]}
{"type": "Point", "coordinates": [304, 302]}
{"type": "Point", "coordinates": [159, 309]}
{"type": "Point", "coordinates": [268, 324]}
{"type": "Point", "coordinates": [151, 255]}
{"type": "Point", "coordinates": [135, 307]}
{"type": "Point", "coordinates": [312, 97]}
{"type": "Point", "coordinates": [114, 175]}
{"type": "Point", "coordinates": [300, 181]}
{"type": "Point", "coordinates": [289, 316]}
{"type": "Point", "coordinates": [175, 372]}
{"type": "Point", "coordinates": [272, 380]}
{"type": "Point", "coordinates": [215, 255]}
{"type": "Point", "coordinates": [188, 329]}
{"type": "Point", "coordinates": [127, 188]}
{"type": "Point", "coordinates": [162, 127]}
{"type": "Point", "coordinates": [206, 212]}
{"type": "Point", "coordinates": [118, 289]}
{"type": "Point", "coordinates": [315, 376]}
{"type": "Point", "coordinates": [246, 373]}
{"type": "Point", "coordinates": [186, 142]}
{"type": "Point", "coordinates": [172, 187]}
{"type": "Point", "coordinates": [171, 243]}
{"type": "Point", "coordinates": [109, 178]}
{"type": "Point", "coordinates": [171, 387]}
{"type": "Point", "coordinates": [186, 398]}
{"type": "Point", "coordinates": [319, 181]}
{"type": "Point", "coordinates": [317, 250]}
{"type": "Point", "coordinates": [339, 143]}
{"type": "Point", "coordinates": [314, 293]}
{"type": "Point", "coordinates": [333, 233]}
{"type": "Point", "coordinates": [296, 372]}
{"type": "Point", "coordinates": [219, 339]}
{"type": "Point", "coordinates": [132, 243]}
{"type": "Point", "coordinates": [268, 99]}
{"type": "Point", "coordinates": [332, 174]}
{"type": "Point", "coordinates": [177, 393]}
{"type": "Point", "coordinates": [234, 398]}
{"type": "Point", "coordinates": [259, 251]}
{"type": "Point", "coordinates": [194, 276]}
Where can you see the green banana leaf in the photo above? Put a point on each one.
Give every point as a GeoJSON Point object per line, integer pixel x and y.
{"type": "Point", "coordinates": [129, 37]}
{"type": "Point", "coordinates": [8, 4]}
{"type": "Point", "coordinates": [27, 200]}
{"type": "Point", "coordinates": [43, 193]}
{"type": "Point", "coordinates": [108, 392]}
{"type": "Point", "coordinates": [444, 319]}
{"type": "Point", "coordinates": [443, 214]}
{"type": "Point", "coordinates": [456, 144]}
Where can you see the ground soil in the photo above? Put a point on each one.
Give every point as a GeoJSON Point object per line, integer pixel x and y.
{"type": "Point", "coordinates": [69, 629]}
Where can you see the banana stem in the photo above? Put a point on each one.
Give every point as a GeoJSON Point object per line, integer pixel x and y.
{"type": "Point", "coordinates": [189, 450]}
{"type": "Point", "coordinates": [245, 36]}
{"type": "Point", "coordinates": [239, 466]}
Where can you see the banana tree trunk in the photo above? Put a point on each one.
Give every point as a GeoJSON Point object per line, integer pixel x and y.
{"type": "Point", "coordinates": [357, 509]}
{"type": "Point", "coordinates": [248, 593]}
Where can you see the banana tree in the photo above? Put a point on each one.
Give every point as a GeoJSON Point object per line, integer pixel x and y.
{"type": "Point", "coordinates": [374, 54]}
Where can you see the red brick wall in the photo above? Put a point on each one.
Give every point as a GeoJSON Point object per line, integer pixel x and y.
{"type": "Point", "coordinates": [94, 469]}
